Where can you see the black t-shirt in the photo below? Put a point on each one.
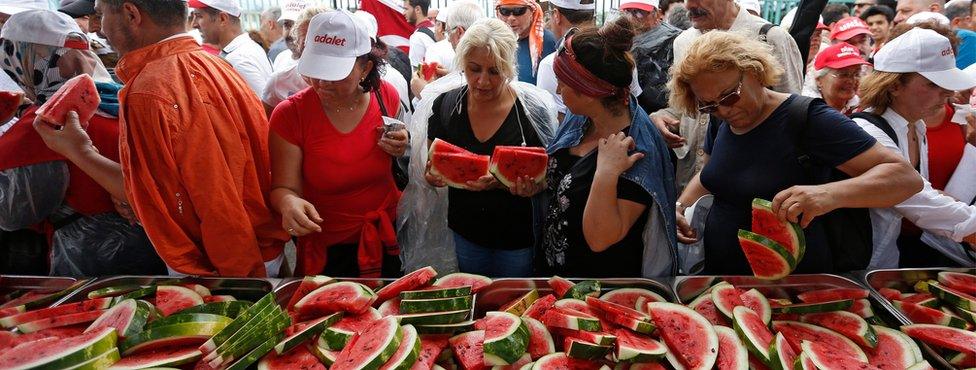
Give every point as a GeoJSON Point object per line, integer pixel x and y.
{"type": "Point", "coordinates": [492, 218]}
{"type": "Point", "coordinates": [760, 164]}
{"type": "Point", "coordinates": [564, 248]}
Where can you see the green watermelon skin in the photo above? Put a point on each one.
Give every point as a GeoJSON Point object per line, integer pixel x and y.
{"type": "Point", "coordinates": [768, 259]}
{"type": "Point", "coordinates": [787, 234]}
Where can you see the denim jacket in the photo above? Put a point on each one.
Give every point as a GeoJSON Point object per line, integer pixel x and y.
{"type": "Point", "coordinates": [654, 173]}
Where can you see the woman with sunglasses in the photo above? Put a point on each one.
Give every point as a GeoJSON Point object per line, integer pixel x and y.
{"type": "Point", "coordinates": [610, 183]}
{"type": "Point", "coordinates": [752, 152]}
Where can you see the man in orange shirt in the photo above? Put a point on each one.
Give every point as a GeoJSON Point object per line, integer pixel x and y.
{"type": "Point", "coordinates": [193, 146]}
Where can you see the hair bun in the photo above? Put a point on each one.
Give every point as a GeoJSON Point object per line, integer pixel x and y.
{"type": "Point", "coordinates": [619, 34]}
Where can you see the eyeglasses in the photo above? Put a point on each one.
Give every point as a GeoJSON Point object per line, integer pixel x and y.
{"type": "Point", "coordinates": [726, 100]}
{"type": "Point", "coordinates": [518, 12]}
{"type": "Point", "coordinates": [848, 75]}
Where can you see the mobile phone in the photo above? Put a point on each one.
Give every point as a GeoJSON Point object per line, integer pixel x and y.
{"type": "Point", "coordinates": [392, 124]}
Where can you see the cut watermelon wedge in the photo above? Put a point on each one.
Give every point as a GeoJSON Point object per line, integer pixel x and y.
{"type": "Point", "coordinates": [789, 235]}
{"type": "Point", "coordinates": [726, 298]}
{"type": "Point", "coordinates": [411, 281]}
{"type": "Point", "coordinates": [781, 355]}
{"type": "Point", "coordinates": [371, 348]}
{"type": "Point", "coordinates": [408, 352]}
{"type": "Point", "coordinates": [797, 332]}
{"type": "Point", "coordinates": [690, 338]}
{"type": "Point", "coordinates": [753, 332]}
{"type": "Point", "coordinates": [72, 308]}
{"type": "Point", "coordinates": [540, 340]}
{"type": "Point", "coordinates": [127, 317]}
{"type": "Point", "coordinates": [732, 354]}
{"type": "Point", "coordinates": [170, 356]}
{"type": "Point", "coordinates": [847, 324]}
{"type": "Point", "coordinates": [461, 279]}
{"type": "Point", "coordinates": [893, 350]}
{"type": "Point", "coordinates": [833, 294]}
{"type": "Point", "coordinates": [768, 259]}
{"type": "Point", "coordinates": [962, 282]}
{"type": "Point", "coordinates": [78, 94]}
{"type": "Point", "coordinates": [509, 164]}
{"type": "Point", "coordinates": [943, 336]}
{"type": "Point", "coordinates": [506, 338]}
{"type": "Point", "coordinates": [56, 353]}
{"type": "Point", "coordinates": [458, 169]}
{"type": "Point", "coordinates": [634, 347]}
{"type": "Point", "coordinates": [827, 357]}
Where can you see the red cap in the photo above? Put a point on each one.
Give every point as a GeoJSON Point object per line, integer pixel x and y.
{"type": "Point", "coordinates": [839, 55]}
{"type": "Point", "coordinates": [822, 26]}
{"type": "Point", "coordinates": [848, 27]}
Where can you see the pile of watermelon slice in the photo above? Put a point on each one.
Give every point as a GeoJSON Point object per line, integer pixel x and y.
{"type": "Point", "coordinates": [773, 248]}
{"type": "Point", "coordinates": [507, 163]}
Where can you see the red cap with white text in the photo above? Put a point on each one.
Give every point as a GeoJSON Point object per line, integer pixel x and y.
{"type": "Point", "coordinates": [839, 55]}
{"type": "Point", "coordinates": [334, 40]}
{"type": "Point", "coordinates": [848, 27]}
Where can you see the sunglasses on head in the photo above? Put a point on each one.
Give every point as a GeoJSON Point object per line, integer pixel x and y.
{"type": "Point", "coordinates": [562, 44]}
{"type": "Point", "coordinates": [726, 100]}
{"type": "Point", "coordinates": [518, 12]}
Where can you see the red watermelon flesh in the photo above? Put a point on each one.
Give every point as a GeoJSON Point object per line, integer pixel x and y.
{"type": "Point", "coordinates": [627, 338]}
{"type": "Point", "coordinates": [308, 284]}
{"type": "Point", "coordinates": [926, 315]}
{"type": "Point", "coordinates": [26, 298]}
{"type": "Point", "coordinates": [441, 146]}
{"type": "Point", "coordinates": [796, 333]}
{"type": "Point", "coordinates": [560, 286]}
{"type": "Point", "coordinates": [862, 307]}
{"type": "Point", "coordinates": [368, 344]}
{"type": "Point", "coordinates": [218, 298]}
{"type": "Point", "coordinates": [891, 352]}
{"type": "Point", "coordinates": [9, 102]}
{"type": "Point", "coordinates": [943, 336]}
{"type": "Point", "coordinates": [77, 94]}
{"type": "Point", "coordinates": [468, 349]}
{"type": "Point", "coordinates": [59, 321]}
{"type": "Point", "coordinates": [456, 169]}
{"type": "Point", "coordinates": [171, 299]}
{"type": "Point", "coordinates": [345, 296]}
{"type": "Point", "coordinates": [689, 336]}
{"type": "Point", "coordinates": [890, 294]}
{"type": "Point", "coordinates": [26, 353]}
{"type": "Point", "coordinates": [508, 165]}
{"type": "Point", "coordinates": [358, 323]}
{"type": "Point", "coordinates": [164, 356]}
{"type": "Point", "coordinates": [767, 259]}
{"type": "Point", "coordinates": [298, 358]}
{"type": "Point", "coordinates": [756, 364]}
{"type": "Point", "coordinates": [731, 352]}
{"type": "Point", "coordinates": [431, 347]}
{"type": "Point", "coordinates": [847, 324]}
{"type": "Point", "coordinates": [787, 234]}
{"type": "Point", "coordinates": [962, 282]}
{"type": "Point", "coordinates": [460, 279]}
{"type": "Point", "coordinates": [615, 312]}
{"type": "Point", "coordinates": [756, 302]}
{"type": "Point", "coordinates": [538, 308]}
{"type": "Point", "coordinates": [828, 357]}
{"type": "Point", "coordinates": [540, 340]}
{"type": "Point", "coordinates": [71, 308]}
{"type": "Point", "coordinates": [8, 339]}
{"type": "Point", "coordinates": [412, 281]}
{"type": "Point", "coordinates": [832, 294]}
{"type": "Point", "coordinates": [706, 307]}
{"type": "Point", "coordinates": [917, 298]}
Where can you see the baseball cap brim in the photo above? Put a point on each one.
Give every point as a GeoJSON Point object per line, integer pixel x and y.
{"type": "Point", "coordinates": [11, 9]}
{"type": "Point", "coordinates": [78, 8]}
{"type": "Point", "coordinates": [847, 35]}
{"type": "Point", "coordinates": [840, 64]}
{"type": "Point", "coordinates": [952, 79]}
{"type": "Point", "coordinates": [327, 68]}
{"type": "Point", "coordinates": [636, 5]}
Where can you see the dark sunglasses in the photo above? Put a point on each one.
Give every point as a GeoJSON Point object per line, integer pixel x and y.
{"type": "Point", "coordinates": [562, 43]}
{"type": "Point", "coordinates": [518, 12]}
{"type": "Point", "coordinates": [726, 100]}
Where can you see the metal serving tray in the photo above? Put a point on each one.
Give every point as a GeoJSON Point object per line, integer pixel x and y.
{"type": "Point", "coordinates": [249, 289]}
{"type": "Point", "coordinates": [502, 291]}
{"type": "Point", "coordinates": [904, 280]}
{"type": "Point", "coordinates": [12, 283]}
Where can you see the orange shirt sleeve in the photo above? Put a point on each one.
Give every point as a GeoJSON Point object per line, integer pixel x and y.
{"type": "Point", "coordinates": [183, 180]}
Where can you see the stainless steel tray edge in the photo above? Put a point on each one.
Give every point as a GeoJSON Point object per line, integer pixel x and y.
{"type": "Point", "coordinates": [214, 283]}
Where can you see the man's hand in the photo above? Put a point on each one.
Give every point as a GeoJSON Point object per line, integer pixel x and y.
{"type": "Point", "coordinates": [69, 140]}
{"type": "Point", "coordinates": [668, 125]}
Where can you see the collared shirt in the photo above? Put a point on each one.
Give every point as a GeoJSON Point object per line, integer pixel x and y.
{"type": "Point", "coordinates": [285, 83]}
{"type": "Point", "coordinates": [194, 153]}
{"type": "Point", "coordinates": [285, 60]}
{"type": "Point", "coordinates": [419, 42]}
{"type": "Point", "coordinates": [694, 128]}
{"type": "Point", "coordinates": [928, 209]}
{"type": "Point", "coordinates": [250, 60]}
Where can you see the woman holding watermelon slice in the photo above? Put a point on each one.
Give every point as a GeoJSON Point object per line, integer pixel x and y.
{"type": "Point", "coordinates": [610, 180]}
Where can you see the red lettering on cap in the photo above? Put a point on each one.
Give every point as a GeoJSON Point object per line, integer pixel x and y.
{"type": "Point", "coordinates": [330, 40]}
{"type": "Point", "coordinates": [947, 52]}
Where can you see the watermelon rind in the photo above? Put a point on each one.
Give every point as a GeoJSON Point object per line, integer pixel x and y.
{"type": "Point", "coordinates": [176, 332]}
{"type": "Point", "coordinates": [409, 306]}
{"type": "Point", "coordinates": [803, 362]}
{"type": "Point", "coordinates": [963, 282]}
{"type": "Point", "coordinates": [942, 336]}
{"type": "Point", "coordinates": [47, 300]}
{"type": "Point", "coordinates": [803, 308]}
{"type": "Point", "coordinates": [355, 298]}
{"type": "Point", "coordinates": [156, 360]}
{"type": "Point", "coordinates": [325, 355]}
{"type": "Point", "coordinates": [953, 297]}
{"type": "Point", "coordinates": [508, 345]}
{"type": "Point", "coordinates": [621, 315]}
{"type": "Point", "coordinates": [726, 298]}
{"type": "Point", "coordinates": [97, 343]}
{"type": "Point", "coordinates": [560, 360]}
{"type": "Point", "coordinates": [836, 340]}
{"type": "Point", "coordinates": [335, 339]}
{"type": "Point", "coordinates": [583, 289]}
{"type": "Point", "coordinates": [620, 295]}
{"type": "Point", "coordinates": [540, 339]}
{"type": "Point", "coordinates": [825, 361]}
{"type": "Point", "coordinates": [600, 338]}
{"type": "Point", "coordinates": [188, 317]}
{"type": "Point", "coordinates": [694, 330]}
{"type": "Point", "coordinates": [246, 334]}
{"type": "Point", "coordinates": [387, 334]}
{"type": "Point", "coordinates": [740, 355]}
{"type": "Point", "coordinates": [307, 285]}
{"type": "Point", "coordinates": [313, 328]}
{"type": "Point", "coordinates": [261, 307]}
{"type": "Point", "coordinates": [522, 303]}
{"type": "Point", "coordinates": [966, 314]}
{"type": "Point", "coordinates": [416, 279]}
{"type": "Point", "coordinates": [848, 324]}
{"type": "Point", "coordinates": [926, 315]}
{"type": "Point", "coordinates": [577, 348]}
{"type": "Point", "coordinates": [59, 321]}
{"type": "Point", "coordinates": [754, 336]}
{"type": "Point", "coordinates": [23, 318]}
{"type": "Point", "coordinates": [112, 291]}
{"type": "Point", "coordinates": [230, 309]}
{"type": "Point", "coordinates": [255, 354]}
{"type": "Point", "coordinates": [434, 318]}
{"type": "Point", "coordinates": [567, 319]}
{"type": "Point", "coordinates": [905, 347]}
{"type": "Point", "coordinates": [408, 352]}
{"type": "Point", "coordinates": [794, 230]}
{"type": "Point", "coordinates": [102, 361]}
{"type": "Point", "coordinates": [461, 279]}
{"type": "Point", "coordinates": [636, 348]}
{"type": "Point", "coordinates": [778, 351]}
{"type": "Point", "coordinates": [136, 320]}
{"type": "Point", "coordinates": [137, 294]}
{"type": "Point", "coordinates": [436, 293]}
{"type": "Point", "coordinates": [253, 336]}
{"type": "Point", "coordinates": [446, 328]}
{"type": "Point", "coordinates": [773, 253]}
{"type": "Point", "coordinates": [761, 305]}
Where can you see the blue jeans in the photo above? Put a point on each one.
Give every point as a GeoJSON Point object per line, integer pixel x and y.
{"type": "Point", "coordinates": [496, 263]}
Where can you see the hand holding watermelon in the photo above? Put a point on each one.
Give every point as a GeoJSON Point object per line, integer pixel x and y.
{"type": "Point", "coordinates": [486, 182]}
{"type": "Point", "coordinates": [393, 143]}
{"type": "Point", "coordinates": [69, 140]}
{"type": "Point", "coordinates": [612, 158]}
{"type": "Point", "coordinates": [526, 187]}
{"type": "Point", "coordinates": [800, 204]}
{"type": "Point", "coordinates": [432, 179]}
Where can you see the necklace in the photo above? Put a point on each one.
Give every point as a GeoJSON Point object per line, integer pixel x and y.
{"type": "Point", "coordinates": [339, 108]}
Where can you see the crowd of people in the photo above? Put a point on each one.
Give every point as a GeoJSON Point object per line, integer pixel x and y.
{"type": "Point", "coordinates": [215, 150]}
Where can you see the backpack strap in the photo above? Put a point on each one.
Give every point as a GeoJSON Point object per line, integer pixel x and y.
{"type": "Point", "coordinates": [878, 122]}
{"type": "Point", "coordinates": [449, 103]}
{"type": "Point", "coordinates": [765, 30]}
{"type": "Point", "coordinates": [427, 31]}
{"type": "Point", "coordinates": [379, 100]}
{"type": "Point", "coordinates": [797, 114]}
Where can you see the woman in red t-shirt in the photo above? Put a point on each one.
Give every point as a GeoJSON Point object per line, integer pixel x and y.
{"type": "Point", "coordinates": [332, 155]}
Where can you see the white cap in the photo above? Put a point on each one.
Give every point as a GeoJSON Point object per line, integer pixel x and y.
{"type": "Point", "coordinates": [576, 5]}
{"type": "Point", "coordinates": [752, 5]}
{"type": "Point", "coordinates": [290, 9]}
{"type": "Point", "coordinates": [442, 14]}
{"type": "Point", "coordinates": [921, 17]}
{"type": "Point", "coordinates": [372, 27]}
{"type": "Point", "coordinates": [926, 52]}
{"type": "Point", "coordinates": [44, 27]}
{"type": "Point", "coordinates": [231, 7]}
{"type": "Point", "coordinates": [11, 7]}
{"type": "Point", "coordinates": [334, 40]}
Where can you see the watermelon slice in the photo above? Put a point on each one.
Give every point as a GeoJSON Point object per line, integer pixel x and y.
{"type": "Point", "coordinates": [621, 315]}
{"type": "Point", "coordinates": [431, 347]}
{"type": "Point", "coordinates": [408, 352]}
{"type": "Point", "coordinates": [540, 340]}
{"type": "Point", "coordinates": [732, 354]}
{"type": "Point", "coordinates": [578, 348]}
{"type": "Point", "coordinates": [520, 304]}
{"type": "Point", "coordinates": [560, 286]}
{"type": "Point", "coordinates": [218, 298]}
{"type": "Point", "coordinates": [409, 306]}
{"type": "Point", "coordinates": [469, 349]}
{"type": "Point", "coordinates": [893, 350]}
{"type": "Point", "coordinates": [55, 353]}
{"type": "Point", "coordinates": [72, 308]}
{"type": "Point", "coordinates": [59, 321]}
{"type": "Point", "coordinates": [167, 356]}
{"type": "Point", "coordinates": [9, 102]}
{"type": "Point", "coordinates": [511, 163]}
{"type": "Point", "coordinates": [560, 360]}
{"type": "Point", "coordinates": [952, 296]}
{"type": "Point", "coordinates": [538, 308]}
{"type": "Point", "coordinates": [943, 336]}
{"type": "Point", "coordinates": [428, 70]}
{"type": "Point", "coordinates": [758, 303]}
{"type": "Point", "coordinates": [434, 318]}
{"type": "Point", "coordinates": [802, 308]}
{"type": "Point", "coordinates": [847, 324]}
{"type": "Point", "coordinates": [461, 279]}
{"type": "Point", "coordinates": [506, 338]}
{"type": "Point", "coordinates": [768, 259]}
{"type": "Point", "coordinates": [962, 282]}
{"type": "Point", "coordinates": [371, 348]}
{"type": "Point", "coordinates": [634, 347]}
{"type": "Point", "coordinates": [565, 318]}
{"type": "Point", "coordinates": [583, 289]}
{"type": "Point", "coordinates": [345, 296]}
{"type": "Point", "coordinates": [262, 307]}
{"type": "Point", "coordinates": [753, 332]}
{"type": "Point", "coordinates": [890, 294]}
{"type": "Point", "coordinates": [306, 331]}
{"type": "Point", "coordinates": [789, 235]}
{"type": "Point", "coordinates": [925, 315]}
{"type": "Point", "coordinates": [127, 317]}
{"type": "Point", "coordinates": [781, 355]}
{"type": "Point", "coordinates": [435, 292]}
{"type": "Point", "coordinates": [308, 284]}
{"type": "Point", "coordinates": [77, 94]}
{"type": "Point", "coordinates": [862, 308]}
{"type": "Point", "coordinates": [726, 298]}
{"type": "Point", "coordinates": [174, 298]}
{"type": "Point", "coordinates": [827, 357]}
{"type": "Point", "coordinates": [411, 281]}
{"type": "Point", "coordinates": [706, 307]}
{"type": "Point", "coordinates": [457, 169]}
{"type": "Point", "coordinates": [184, 334]}
{"type": "Point", "coordinates": [797, 332]}
{"type": "Point", "coordinates": [832, 294]}
{"type": "Point", "coordinates": [300, 358]}
{"type": "Point", "coordinates": [391, 308]}
{"type": "Point", "coordinates": [690, 338]}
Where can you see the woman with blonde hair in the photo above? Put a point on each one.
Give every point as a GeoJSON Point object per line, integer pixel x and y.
{"type": "Point", "coordinates": [753, 148]}
{"type": "Point", "coordinates": [491, 226]}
